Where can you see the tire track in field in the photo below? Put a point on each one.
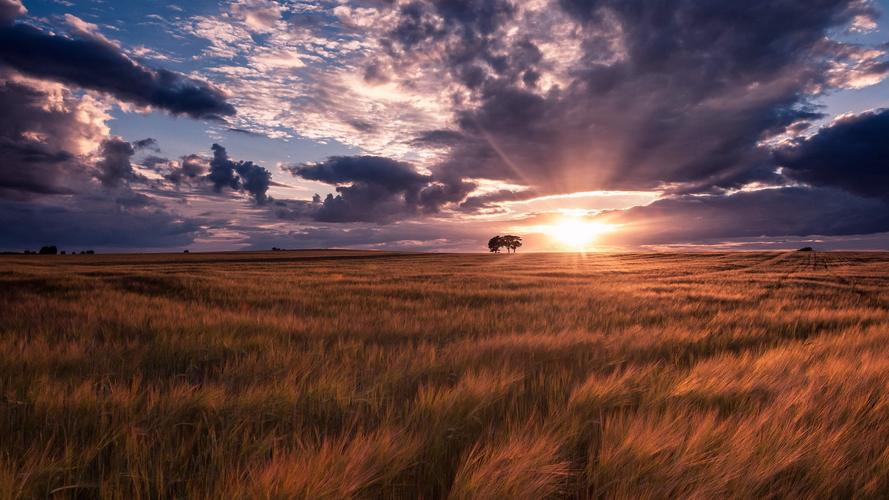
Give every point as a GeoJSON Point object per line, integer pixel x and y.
{"type": "Point", "coordinates": [688, 354]}
{"type": "Point", "coordinates": [815, 262]}
{"type": "Point", "coordinates": [849, 282]}
{"type": "Point", "coordinates": [768, 260]}
{"type": "Point", "coordinates": [729, 278]}
{"type": "Point", "coordinates": [773, 288]}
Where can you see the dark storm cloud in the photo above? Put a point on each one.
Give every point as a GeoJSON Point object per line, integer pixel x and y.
{"type": "Point", "coordinates": [850, 154]}
{"type": "Point", "coordinates": [193, 165]}
{"type": "Point", "coordinates": [444, 191]}
{"type": "Point", "coordinates": [470, 31]}
{"type": "Point", "coordinates": [489, 201]}
{"type": "Point", "coordinates": [296, 210]}
{"type": "Point", "coordinates": [222, 170]}
{"type": "Point", "coordinates": [245, 175]}
{"type": "Point", "coordinates": [472, 20]}
{"type": "Point", "coordinates": [662, 93]}
{"type": "Point", "coordinates": [377, 189]}
{"type": "Point", "coordinates": [188, 167]}
{"type": "Point", "coordinates": [95, 64]}
{"type": "Point", "coordinates": [147, 143]}
{"type": "Point", "coordinates": [92, 222]}
{"type": "Point", "coordinates": [792, 211]}
{"type": "Point", "coordinates": [114, 165]}
{"type": "Point", "coordinates": [391, 174]}
{"type": "Point", "coordinates": [49, 193]}
{"type": "Point", "coordinates": [255, 180]}
{"type": "Point", "coordinates": [36, 143]}
{"type": "Point", "coordinates": [155, 162]}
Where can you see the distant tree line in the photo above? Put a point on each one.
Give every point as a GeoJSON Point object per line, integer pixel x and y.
{"type": "Point", "coordinates": [49, 250]}
{"type": "Point", "coordinates": [509, 242]}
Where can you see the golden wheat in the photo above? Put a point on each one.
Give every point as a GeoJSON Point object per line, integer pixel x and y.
{"type": "Point", "coordinates": [372, 375]}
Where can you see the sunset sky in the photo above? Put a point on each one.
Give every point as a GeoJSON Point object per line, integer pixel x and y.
{"type": "Point", "coordinates": [433, 125]}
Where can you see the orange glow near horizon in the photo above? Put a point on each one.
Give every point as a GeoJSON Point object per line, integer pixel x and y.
{"type": "Point", "coordinates": [575, 233]}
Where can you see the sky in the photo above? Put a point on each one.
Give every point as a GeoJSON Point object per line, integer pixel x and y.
{"type": "Point", "coordinates": [432, 125]}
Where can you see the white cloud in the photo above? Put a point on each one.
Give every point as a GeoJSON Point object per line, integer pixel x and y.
{"type": "Point", "coordinates": [261, 16]}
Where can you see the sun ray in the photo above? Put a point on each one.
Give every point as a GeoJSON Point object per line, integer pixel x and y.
{"type": "Point", "coordinates": [575, 233]}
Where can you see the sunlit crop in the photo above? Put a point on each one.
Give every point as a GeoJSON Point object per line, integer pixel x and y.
{"type": "Point", "coordinates": [365, 375]}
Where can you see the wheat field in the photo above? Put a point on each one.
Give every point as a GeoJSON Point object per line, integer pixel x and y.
{"type": "Point", "coordinates": [337, 374]}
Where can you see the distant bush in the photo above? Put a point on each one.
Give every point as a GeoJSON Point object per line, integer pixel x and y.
{"type": "Point", "coordinates": [806, 249]}
{"type": "Point", "coordinates": [48, 250]}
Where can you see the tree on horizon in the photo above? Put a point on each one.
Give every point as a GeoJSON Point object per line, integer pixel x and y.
{"type": "Point", "coordinates": [509, 242]}
{"type": "Point", "coordinates": [495, 244]}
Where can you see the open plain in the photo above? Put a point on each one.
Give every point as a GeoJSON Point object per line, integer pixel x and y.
{"type": "Point", "coordinates": [338, 374]}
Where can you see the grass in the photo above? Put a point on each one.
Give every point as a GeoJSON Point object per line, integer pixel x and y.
{"type": "Point", "coordinates": [371, 375]}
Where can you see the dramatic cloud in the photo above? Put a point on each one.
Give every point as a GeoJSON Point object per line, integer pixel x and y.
{"type": "Point", "coordinates": [58, 162]}
{"type": "Point", "coordinates": [245, 175]}
{"type": "Point", "coordinates": [255, 180]}
{"type": "Point", "coordinates": [394, 175]}
{"type": "Point", "coordinates": [44, 134]}
{"type": "Point", "coordinates": [614, 95]}
{"type": "Point", "coordinates": [763, 213]}
{"type": "Point", "coordinates": [489, 201]}
{"type": "Point", "coordinates": [94, 222]}
{"type": "Point", "coordinates": [114, 166]}
{"type": "Point", "coordinates": [222, 170]}
{"type": "Point", "coordinates": [852, 153]}
{"type": "Point", "coordinates": [189, 167]}
{"type": "Point", "coordinates": [376, 189]}
{"type": "Point", "coordinates": [95, 64]}
{"type": "Point", "coordinates": [559, 96]}
{"type": "Point", "coordinates": [147, 143]}
{"type": "Point", "coordinates": [469, 116]}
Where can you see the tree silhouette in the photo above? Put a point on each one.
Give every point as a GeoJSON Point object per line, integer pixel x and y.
{"type": "Point", "coordinates": [511, 242]}
{"type": "Point", "coordinates": [48, 250]}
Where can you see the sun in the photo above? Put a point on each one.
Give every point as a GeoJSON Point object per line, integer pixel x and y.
{"type": "Point", "coordinates": [576, 234]}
